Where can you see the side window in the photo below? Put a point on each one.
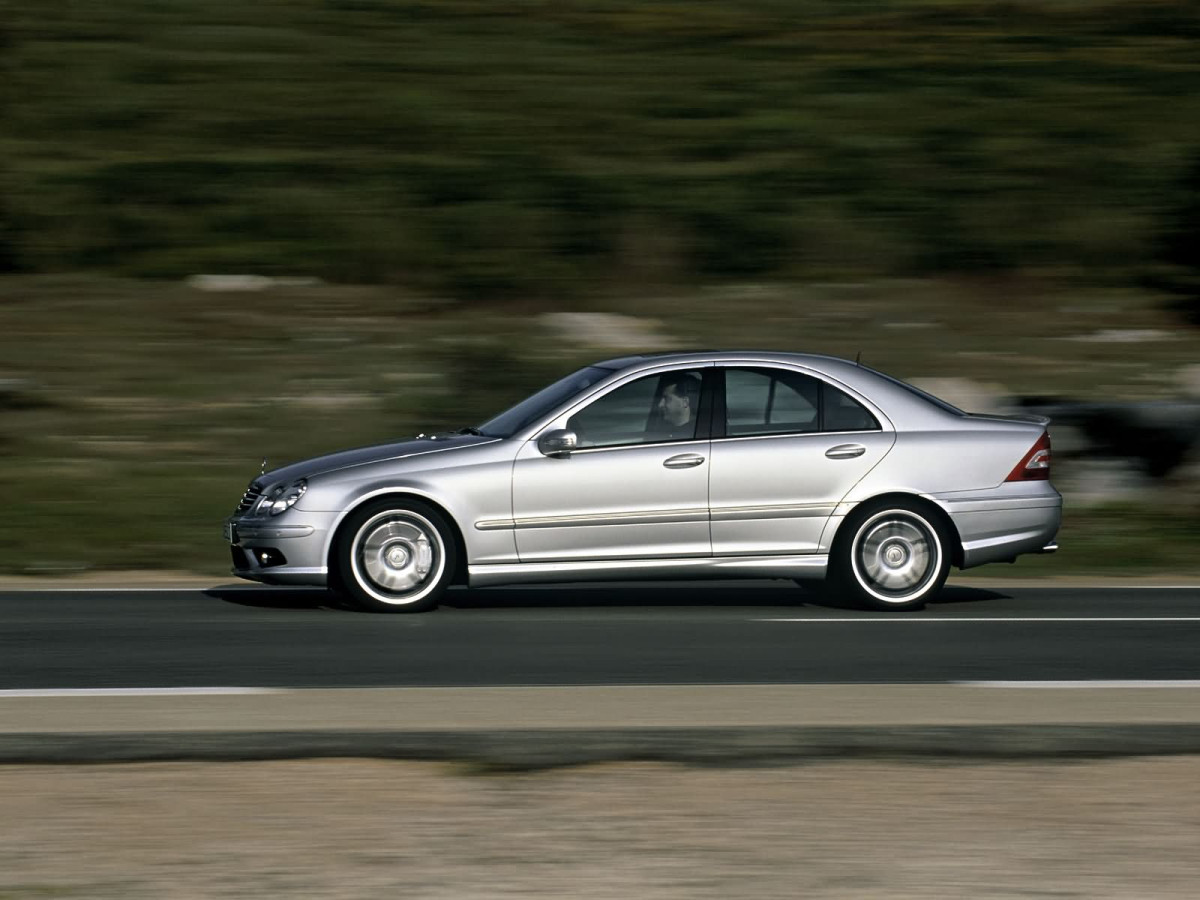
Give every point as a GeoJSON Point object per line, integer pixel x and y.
{"type": "Point", "coordinates": [777, 401]}
{"type": "Point", "coordinates": [746, 396]}
{"type": "Point", "coordinates": [763, 402]}
{"type": "Point", "coordinates": [843, 413]}
{"type": "Point", "coordinates": [651, 409]}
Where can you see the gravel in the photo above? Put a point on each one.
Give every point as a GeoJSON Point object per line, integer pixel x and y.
{"type": "Point", "coordinates": [373, 828]}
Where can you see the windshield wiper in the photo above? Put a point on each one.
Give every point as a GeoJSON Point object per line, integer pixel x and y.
{"type": "Point", "coordinates": [470, 429]}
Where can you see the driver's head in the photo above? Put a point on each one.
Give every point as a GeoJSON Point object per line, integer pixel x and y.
{"type": "Point", "coordinates": [678, 400]}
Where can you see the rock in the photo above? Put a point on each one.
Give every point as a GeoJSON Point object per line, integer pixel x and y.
{"type": "Point", "coordinates": [1098, 482]}
{"type": "Point", "coordinates": [243, 283]}
{"type": "Point", "coordinates": [227, 283]}
{"type": "Point", "coordinates": [608, 330]}
{"type": "Point", "coordinates": [967, 395]}
{"type": "Point", "coordinates": [1189, 381]}
{"type": "Point", "coordinates": [332, 402]}
{"type": "Point", "coordinates": [1157, 436]}
{"type": "Point", "coordinates": [21, 393]}
{"type": "Point", "coordinates": [1182, 486]}
{"type": "Point", "coordinates": [1123, 336]}
{"type": "Point", "coordinates": [1068, 440]}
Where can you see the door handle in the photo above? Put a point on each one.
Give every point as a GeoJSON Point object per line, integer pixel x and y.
{"type": "Point", "coordinates": [845, 451]}
{"type": "Point", "coordinates": [683, 461]}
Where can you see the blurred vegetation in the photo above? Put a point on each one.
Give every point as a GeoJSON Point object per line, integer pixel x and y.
{"type": "Point", "coordinates": [542, 147]}
{"type": "Point", "coordinates": [951, 187]}
{"type": "Point", "coordinates": [1180, 273]}
{"type": "Point", "coordinates": [133, 413]}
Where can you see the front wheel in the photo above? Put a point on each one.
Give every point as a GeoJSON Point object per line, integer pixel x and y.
{"type": "Point", "coordinates": [394, 556]}
{"type": "Point", "coordinates": [891, 556]}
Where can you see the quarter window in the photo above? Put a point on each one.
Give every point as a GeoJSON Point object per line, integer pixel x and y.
{"type": "Point", "coordinates": [841, 412]}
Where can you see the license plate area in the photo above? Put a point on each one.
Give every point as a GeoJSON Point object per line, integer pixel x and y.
{"type": "Point", "coordinates": [231, 535]}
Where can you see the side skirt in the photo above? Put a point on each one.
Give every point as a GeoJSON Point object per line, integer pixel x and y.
{"type": "Point", "coordinates": [810, 565]}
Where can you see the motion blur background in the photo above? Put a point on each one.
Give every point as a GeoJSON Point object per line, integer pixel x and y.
{"type": "Point", "coordinates": [232, 230]}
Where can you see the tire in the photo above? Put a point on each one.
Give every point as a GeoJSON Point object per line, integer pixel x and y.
{"type": "Point", "coordinates": [393, 556]}
{"type": "Point", "coordinates": [890, 556]}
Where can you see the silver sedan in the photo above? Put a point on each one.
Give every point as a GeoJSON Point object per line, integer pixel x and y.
{"type": "Point", "coordinates": [728, 465]}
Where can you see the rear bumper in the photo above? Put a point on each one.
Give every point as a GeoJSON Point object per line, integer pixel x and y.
{"type": "Point", "coordinates": [1003, 523]}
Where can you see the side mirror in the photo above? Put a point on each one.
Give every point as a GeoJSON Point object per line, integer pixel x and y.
{"type": "Point", "coordinates": [559, 442]}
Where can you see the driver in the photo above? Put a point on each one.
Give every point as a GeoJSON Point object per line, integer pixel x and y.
{"type": "Point", "coordinates": [678, 403]}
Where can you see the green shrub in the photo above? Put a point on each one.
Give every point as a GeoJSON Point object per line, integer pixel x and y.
{"type": "Point", "coordinates": [490, 150]}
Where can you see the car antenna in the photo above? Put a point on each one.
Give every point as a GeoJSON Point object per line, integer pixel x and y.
{"type": "Point", "coordinates": [857, 357]}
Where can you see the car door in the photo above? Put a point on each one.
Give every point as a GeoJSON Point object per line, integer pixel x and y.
{"type": "Point", "coordinates": [786, 448]}
{"type": "Point", "coordinates": [636, 487]}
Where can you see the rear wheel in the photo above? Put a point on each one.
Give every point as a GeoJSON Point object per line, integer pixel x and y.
{"type": "Point", "coordinates": [890, 556]}
{"type": "Point", "coordinates": [394, 556]}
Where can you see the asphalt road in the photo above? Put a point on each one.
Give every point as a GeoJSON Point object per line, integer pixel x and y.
{"type": "Point", "coordinates": [694, 633]}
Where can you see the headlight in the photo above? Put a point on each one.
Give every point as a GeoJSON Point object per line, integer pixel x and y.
{"type": "Point", "coordinates": [281, 498]}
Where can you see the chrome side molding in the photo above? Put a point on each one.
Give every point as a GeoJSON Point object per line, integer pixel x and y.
{"type": "Point", "coordinates": [809, 565]}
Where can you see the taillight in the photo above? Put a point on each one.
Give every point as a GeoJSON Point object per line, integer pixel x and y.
{"type": "Point", "coordinates": [1034, 465]}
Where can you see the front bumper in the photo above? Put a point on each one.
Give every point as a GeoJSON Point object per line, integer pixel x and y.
{"type": "Point", "coordinates": [280, 552]}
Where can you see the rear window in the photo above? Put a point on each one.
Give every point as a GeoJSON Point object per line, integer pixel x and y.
{"type": "Point", "coordinates": [924, 395]}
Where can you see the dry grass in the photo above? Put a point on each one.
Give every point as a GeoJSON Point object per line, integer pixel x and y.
{"type": "Point", "coordinates": [363, 828]}
{"type": "Point", "coordinates": [144, 407]}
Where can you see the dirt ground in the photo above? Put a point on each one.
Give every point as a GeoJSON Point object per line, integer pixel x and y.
{"type": "Point", "coordinates": [377, 829]}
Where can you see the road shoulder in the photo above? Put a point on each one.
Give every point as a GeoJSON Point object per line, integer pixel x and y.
{"type": "Point", "coordinates": [537, 727]}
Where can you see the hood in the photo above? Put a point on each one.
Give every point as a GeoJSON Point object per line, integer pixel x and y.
{"type": "Point", "coordinates": [361, 456]}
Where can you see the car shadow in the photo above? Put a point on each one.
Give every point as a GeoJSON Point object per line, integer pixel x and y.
{"type": "Point", "coordinates": [783, 594]}
{"type": "Point", "coordinates": [952, 595]}
{"type": "Point", "coordinates": [675, 594]}
{"type": "Point", "coordinates": [957, 594]}
{"type": "Point", "coordinates": [266, 597]}
{"type": "Point", "coordinates": [628, 594]}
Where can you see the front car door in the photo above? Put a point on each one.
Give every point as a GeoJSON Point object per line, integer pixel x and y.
{"type": "Point", "coordinates": [637, 487]}
{"type": "Point", "coordinates": [787, 447]}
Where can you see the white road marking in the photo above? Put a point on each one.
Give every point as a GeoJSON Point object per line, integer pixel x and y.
{"type": "Point", "coordinates": [1054, 685]}
{"type": "Point", "coordinates": [917, 620]}
{"type": "Point", "coordinates": [16, 588]}
{"type": "Point", "coordinates": [116, 590]}
{"type": "Point", "coordinates": [135, 692]}
{"type": "Point", "coordinates": [200, 588]}
{"type": "Point", "coordinates": [1098, 684]}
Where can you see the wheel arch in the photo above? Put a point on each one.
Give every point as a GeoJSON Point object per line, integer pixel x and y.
{"type": "Point", "coordinates": [933, 509]}
{"type": "Point", "coordinates": [459, 576]}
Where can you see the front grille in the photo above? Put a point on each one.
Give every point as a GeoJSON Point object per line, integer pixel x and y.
{"type": "Point", "coordinates": [250, 498]}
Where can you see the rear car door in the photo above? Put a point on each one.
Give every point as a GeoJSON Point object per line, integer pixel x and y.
{"type": "Point", "coordinates": [787, 447]}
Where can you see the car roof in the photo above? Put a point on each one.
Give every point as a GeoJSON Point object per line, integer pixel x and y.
{"type": "Point", "coordinates": [903, 404]}
{"type": "Point", "coordinates": [695, 356]}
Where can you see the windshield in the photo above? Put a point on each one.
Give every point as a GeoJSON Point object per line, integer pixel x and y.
{"type": "Point", "coordinates": [543, 402]}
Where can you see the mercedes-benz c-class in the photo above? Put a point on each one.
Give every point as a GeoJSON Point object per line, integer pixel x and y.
{"type": "Point", "coordinates": [684, 465]}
